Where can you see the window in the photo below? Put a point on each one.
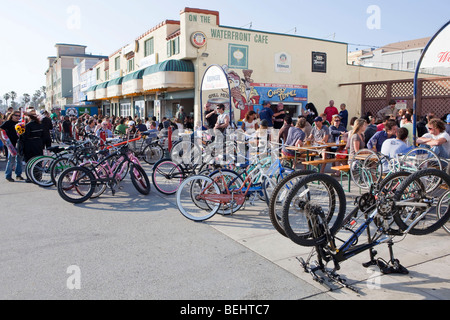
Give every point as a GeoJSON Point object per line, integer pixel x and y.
{"type": "Point", "coordinates": [149, 47]}
{"type": "Point", "coordinates": [98, 73]}
{"type": "Point", "coordinates": [131, 65]}
{"type": "Point", "coordinates": [106, 75]}
{"type": "Point", "coordinates": [411, 65]}
{"type": "Point", "coordinates": [117, 63]}
{"type": "Point", "coordinates": [395, 66]}
{"type": "Point", "coordinates": [173, 47]}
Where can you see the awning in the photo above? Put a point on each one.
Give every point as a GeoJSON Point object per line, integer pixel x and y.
{"type": "Point", "coordinates": [170, 65]}
{"type": "Point", "coordinates": [169, 74]}
{"type": "Point", "coordinates": [91, 88]}
{"type": "Point", "coordinates": [133, 76]}
{"type": "Point", "coordinates": [103, 85]}
{"type": "Point", "coordinates": [116, 82]}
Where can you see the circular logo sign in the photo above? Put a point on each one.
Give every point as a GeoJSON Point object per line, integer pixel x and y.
{"type": "Point", "coordinates": [198, 39]}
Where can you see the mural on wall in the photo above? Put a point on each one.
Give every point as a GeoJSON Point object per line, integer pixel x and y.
{"type": "Point", "coordinates": [246, 95]}
{"type": "Point", "coordinates": [243, 94]}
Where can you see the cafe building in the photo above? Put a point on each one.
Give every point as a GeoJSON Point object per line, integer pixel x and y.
{"type": "Point", "coordinates": [164, 69]}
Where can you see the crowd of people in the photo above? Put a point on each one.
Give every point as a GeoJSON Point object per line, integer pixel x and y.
{"type": "Point", "coordinates": [390, 132]}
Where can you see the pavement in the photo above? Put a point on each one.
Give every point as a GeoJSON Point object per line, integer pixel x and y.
{"type": "Point", "coordinates": [259, 262]}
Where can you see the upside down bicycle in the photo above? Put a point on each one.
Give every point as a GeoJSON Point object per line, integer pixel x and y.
{"type": "Point", "coordinates": [314, 212]}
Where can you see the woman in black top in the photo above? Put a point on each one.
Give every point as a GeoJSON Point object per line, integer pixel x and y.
{"type": "Point", "coordinates": [32, 138]}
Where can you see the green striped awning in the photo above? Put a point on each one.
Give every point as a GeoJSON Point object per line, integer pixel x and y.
{"type": "Point", "coordinates": [103, 85]}
{"type": "Point", "coordinates": [133, 76]}
{"type": "Point", "coordinates": [116, 82]}
{"type": "Point", "coordinates": [170, 65]}
{"type": "Point", "coordinates": [93, 88]}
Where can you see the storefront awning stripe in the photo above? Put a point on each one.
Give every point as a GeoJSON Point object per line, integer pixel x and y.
{"type": "Point", "coordinates": [93, 88]}
{"type": "Point", "coordinates": [170, 65]}
{"type": "Point", "coordinates": [116, 82]}
{"type": "Point", "coordinates": [133, 76]}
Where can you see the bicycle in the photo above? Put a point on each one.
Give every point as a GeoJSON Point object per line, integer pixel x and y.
{"type": "Point", "coordinates": [368, 167]}
{"type": "Point", "coordinates": [200, 197]}
{"type": "Point", "coordinates": [168, 175]}
{"type": "Point", "coordinates": [78, 184]}
{"type": "Point", "coordinates": [149, 150]}
{"type": "Point", "coordinates": [398, 207]}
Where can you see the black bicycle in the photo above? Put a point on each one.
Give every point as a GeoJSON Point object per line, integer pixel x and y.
{"type": "Point", "coordinates": [315, 211]}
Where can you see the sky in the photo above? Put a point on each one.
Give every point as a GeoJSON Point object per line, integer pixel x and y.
{"type": "Point", "coordinates": [29, 29]}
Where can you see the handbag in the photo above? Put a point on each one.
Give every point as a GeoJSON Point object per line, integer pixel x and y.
{"type": "Point", "coordinates": [342, 155]}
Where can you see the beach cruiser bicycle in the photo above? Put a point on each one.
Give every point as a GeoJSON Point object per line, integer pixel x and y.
{"type": "Point", "coordinates": [78, 184]}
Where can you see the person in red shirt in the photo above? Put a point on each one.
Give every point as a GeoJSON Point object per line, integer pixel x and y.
{"type": "Point", "coordinates": [330, 111]}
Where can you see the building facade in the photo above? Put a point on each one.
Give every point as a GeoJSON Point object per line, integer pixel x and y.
{"type": "Point", "coordinates": [59, 75]}
{"type": "Point", "coordinates": [164, 69]}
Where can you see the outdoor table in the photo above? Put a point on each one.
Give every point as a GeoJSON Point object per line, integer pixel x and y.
{"type": "Point", "coordinates": [315, 147]}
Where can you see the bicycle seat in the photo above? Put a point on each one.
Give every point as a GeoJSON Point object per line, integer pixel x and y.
{"type": "Point", "coordinates": [56, 149]}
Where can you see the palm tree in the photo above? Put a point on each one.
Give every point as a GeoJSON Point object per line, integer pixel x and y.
{"type": "Point", "coordinates": [26, 98]}
{"type": "Point", "coordinates": [13, 96]}
{"type": "Point", "coordinates": [6, 96]}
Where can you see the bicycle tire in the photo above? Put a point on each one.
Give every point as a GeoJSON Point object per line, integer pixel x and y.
{"type": "Point", "coordinates": [357, 168]}
{"type": "Point", "coordinates": [309, 194]}
{"type": "Point", "coordinates": [152, 153]}
{"type": "Point", "coordinates": [188, 198]}
{"type": "Point", "coordinates": [28, 167]}
{"type": "Point", "coordinates": [167, 176]}
{"type": "Point", "coordinates": [58, 166]}
{"type": "Point", "coordinates": [444, 201]}
{"type": "Point", "coordinates": [40, 171]}
{"type": "Point", "coordinates": [233, 180]}
{"type": "Point", "coordinates": [140, 180]}
{"type": "Point", "coordinates": [76, 181]}
{"type": "Point", "coordinates": [100, 174]}
{"type": "Point", "coordinates": [421, 216]}
{"type": "Point", "coordinates": [279, 195]}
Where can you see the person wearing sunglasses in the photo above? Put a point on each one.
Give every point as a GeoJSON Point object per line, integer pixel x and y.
{"type": "Point", "coordinates": [10, 128]}
{"type": "Point", "coordinates": [437, 139]}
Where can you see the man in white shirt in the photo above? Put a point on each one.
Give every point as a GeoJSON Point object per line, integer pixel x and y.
{"type": "Point", "coordinates": [393, 147]}
{"type": "Point", "coordinates": [436, 138]}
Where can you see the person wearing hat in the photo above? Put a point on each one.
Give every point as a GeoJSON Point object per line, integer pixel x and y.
{"type": "Point", "coordinates": [447, 126]}
{"type": "Point", "coordinates": [267, 114]}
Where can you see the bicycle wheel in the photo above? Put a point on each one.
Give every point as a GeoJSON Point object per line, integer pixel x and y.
{"type": "Point", "coordinates": [314, 210]}
{"type": "Point", "coordinates": [140, 180]}
{"type": "Point", "coordinates": [418, 210]}
{"type": "Point", "coordinates": [40, 172]}
{"type": "Point", "coordinates": [28, 166]}
{"type": "Point", "coordinates": [153, 153]}
{"type": "Point", "coordinates": [232, 181]}
{"type": "Point", "coordinates": [58, 166]}
{"type": "Point", "coordinates": [100, 174]}
{"type": "Point", "coordinates": [193, 201]}
{"type": "Point", "coordinates": [167, 177]}
{"type": "Point", "coordinates": [443, 206]}
{"type": "Point", "coordinates": [76, 185]}
{"type": "Point", "coordinates": [420, 159]}
{"type": "Point", "coordinates": [186, 152]}
{"type": "Point", "coordinates": [360, 175]}
{"type": "Point", "coordinates": [279, 196]}
{"type": "Point", "coordinates": [385, 199]}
